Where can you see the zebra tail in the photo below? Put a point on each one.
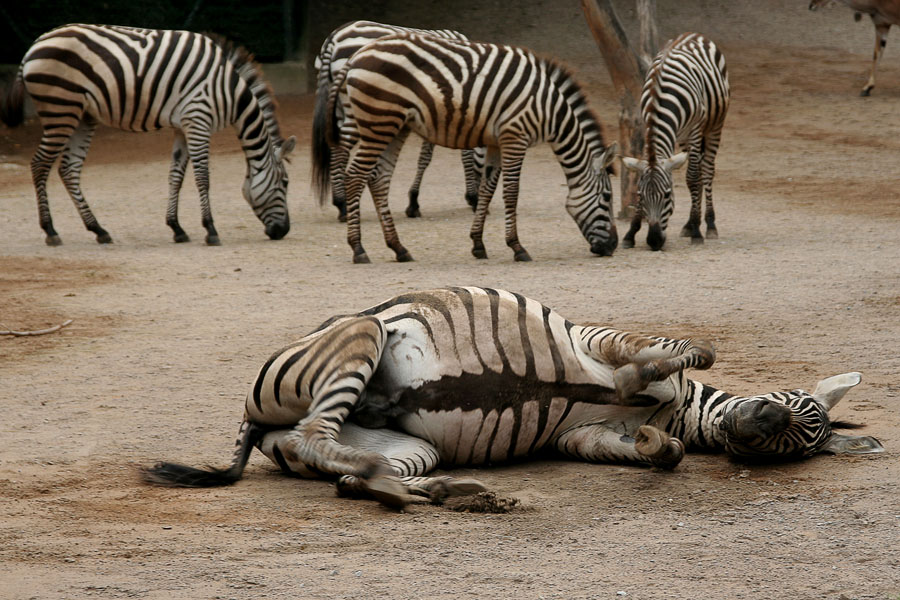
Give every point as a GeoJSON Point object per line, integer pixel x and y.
{"type": "Point", "coordinates": [321, 144]}
{"type": "Point", "coordinates": [176, 475]}
{"type": "Point", "coordinates": [12, 107]}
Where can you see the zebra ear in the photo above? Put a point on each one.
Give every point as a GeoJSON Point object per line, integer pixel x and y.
{"type": "Point", "coordinates": [286, 148]}
{"type": "Point", "coordinates": [852, 444]}
{"type": "Point", "coordinates": [634, 164]}
{"type": "Point", "coordinates": [830, 391]}
{"type": "Point", "coordinates": [602, 162]}
{"type": "Point", "coordinates": [675, 162]}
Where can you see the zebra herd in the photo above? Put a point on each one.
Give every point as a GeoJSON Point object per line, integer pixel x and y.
{"type": "Point", "coordinates": [457, 376]}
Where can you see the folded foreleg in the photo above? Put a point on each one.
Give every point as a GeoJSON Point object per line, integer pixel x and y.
{"type": "Point", "coordinates": [599, 443]}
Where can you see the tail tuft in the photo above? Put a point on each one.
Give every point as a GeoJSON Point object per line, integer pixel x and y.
{"type": "Point", "coordinates": [175, 475]}
{"type": "Point", "coordinates": [12, 107]}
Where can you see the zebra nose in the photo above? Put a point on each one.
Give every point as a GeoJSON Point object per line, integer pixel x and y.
{"type": "Point", "coordinates": [772, 417]}
{"type": "Point", "coordinates": [278, 229]}
{"type": "Point", "coordinates": [655, 236]}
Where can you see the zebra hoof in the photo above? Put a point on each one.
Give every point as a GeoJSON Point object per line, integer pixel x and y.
{"type": "Point", "coordinates": [697, 240]}
{"type": "Point", "coordinates": [413, 213]}
{"type": "Point", "coordinates": [213, 240]}
{"type": "Point", "coordinates": [712, 233]}
{"type": "Point", "coordinates": [53, 240]}
{"type": "Point", "coordinates": [361, 259]}
{"type": "Point", "coordinates": [404, 256]}
{"type": "Point", "coordinates": [342, 218]}
{"type": "Point", "coordinates": [388, 491]}
{"type": "Point", "coordinates": [181, 238]}
{"type": "Point", "coordinates": [522, 256]}
{"type": "Point", "coordinates": [628, 382]}
{"type": "Point", "coordinates": [865, 92]}
{"type": "Point", "coordinates": [479, 253]}
{"type": "Point", "coordinates": [103, 238]}
{"type": "Point", "coordinates": [628, 243]}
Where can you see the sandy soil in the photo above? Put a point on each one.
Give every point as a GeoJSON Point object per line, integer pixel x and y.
{"type": "Point", "coordinates": [802, 284]}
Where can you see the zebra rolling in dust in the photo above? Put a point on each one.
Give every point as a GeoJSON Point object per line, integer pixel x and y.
{"type": "Point", "coordinates": [475, 376]}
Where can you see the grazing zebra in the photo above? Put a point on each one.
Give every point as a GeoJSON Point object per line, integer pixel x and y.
{"type": "Point", "coordinates": [462, 95]}
{"type": "Point", "coordinates": [336, 49]}
{"type": "Point", "coordinates": [883, 13]}
{"type": "Point", "coordinates": [684, 101]}
{"type": "Point", "coordinates": [475, 376]}
{"type": "Point", "coordinates": [144, 80]}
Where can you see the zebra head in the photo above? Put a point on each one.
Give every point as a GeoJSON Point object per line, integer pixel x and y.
{"type": "Point", "coordinates": [265, 189]}
{"type": "Point", "coordinates": [792, 425]}
{"type": "Point", "coordinates": [655, 199]}
{"type": "Point", "coordinates": [593, 212]}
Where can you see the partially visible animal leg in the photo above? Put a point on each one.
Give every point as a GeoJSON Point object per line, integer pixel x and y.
{"type": "Point", "coordinates": [70, 166]}
{"type": "Point", "coordinates": [600, 444]}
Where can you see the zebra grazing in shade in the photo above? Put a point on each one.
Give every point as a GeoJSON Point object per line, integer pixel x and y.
{"type": "Point", "coordinates": [144, 80]}
{"type": "Point", "coordinates": [684, 101]}
{"type": "Point", "coordinates": [883, 13]}
{"type": "Point", "coordinates": [475, 376]}
{"type": "Point", "coordinates": [336, 49]}
{"type": "Point", "coordinates": [462, 95]}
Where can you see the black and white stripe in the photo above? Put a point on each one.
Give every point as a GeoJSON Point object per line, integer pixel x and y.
{"type": "Point", "coordinates": [462, 95]}
{"type": "Point", "coordinates": [144, 80]}
{"type": "Point", "coordinates": [684, 102]}
{"type": "Point", "coordinates": [475, 376]}
{"type": "Point", "coordinates": [337, 48]}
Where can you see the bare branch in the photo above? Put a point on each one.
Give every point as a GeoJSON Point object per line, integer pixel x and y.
{"type": "Point", "coordinates": [35, 332]}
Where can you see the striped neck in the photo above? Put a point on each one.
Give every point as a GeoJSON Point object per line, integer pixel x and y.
{"type": "Point", "coordinates": [696, 420]}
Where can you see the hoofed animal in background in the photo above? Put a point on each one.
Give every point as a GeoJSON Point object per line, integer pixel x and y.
{"type": "Point", "coordinates": [462, 95]}
{"type": "Point", "coordinates": [684, 101]}
{"type": "Point", "coordinates": [144, 80]}
{"type": "Point", "coordinates": [336, 49]}
{"type": "Point", "coordinates": [883, 13]}
{"type": "Point", "coordinates": [475, 376]}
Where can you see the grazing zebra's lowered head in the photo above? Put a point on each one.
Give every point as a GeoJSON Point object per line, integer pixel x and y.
{"type": "Point", "coordinates": [476, 376]}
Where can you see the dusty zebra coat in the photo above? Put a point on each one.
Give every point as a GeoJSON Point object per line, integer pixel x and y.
{"type": "Point", "coordinates": [683, 102]}
{"type": "Point", "coordinates": [337, 48]}
{"type": "Point", "coordinates": [144, 80]}
{"type": "Point", "coordinates": [475, 376]}
{"type": "Point", "coordinates": [462, 95]}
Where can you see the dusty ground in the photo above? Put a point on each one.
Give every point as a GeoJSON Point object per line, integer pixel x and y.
{"type": "Point", "coordinates": [804, 283]}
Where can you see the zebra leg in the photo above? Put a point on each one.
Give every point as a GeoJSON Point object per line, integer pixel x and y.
{"type": "Point", "coordinates": [695, 185]}
{"type": "Point", "coordinates": [640, 360]}
{"type": "Point", "coordinates": [628, 240]}
{"type": "Point", "coordinates": [339, 157]}
{"type": "Point", "coordinates": [486, 189]}
{"type": "Point", "coordinates": [53, 140]}
{"type": "Point", "coordinates": [512, 157]}
{"type": "Point", "coordinates": [425, 154]}
{"type": "Point", "coordinates": [176, 178]}
{"type": "Point", "coordinates": [379, 184]}
{"type": "Point", "coordinates": [708, 168]}
{"type": "Point", "coordinates": [198, 149]}
{"type": "Point", "coordinates": [598, 443]}
{"type": "Point", "coordinates": [473, 166]}
{"type": "Point", "coordinates": [341, 365]}
{"type": "Point", "coordinates": [409, 457]}
{"type": "Point", "coordinates": [70, 166]}
{"type": "Point", "coordinates": [881, 34]}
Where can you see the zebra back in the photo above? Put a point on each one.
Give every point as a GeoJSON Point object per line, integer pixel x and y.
{"type": "Point", "coordinates": [686, 89]}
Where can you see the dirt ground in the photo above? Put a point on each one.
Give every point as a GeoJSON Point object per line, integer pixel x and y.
{"type": "Point", "coordinates": [803, 283]}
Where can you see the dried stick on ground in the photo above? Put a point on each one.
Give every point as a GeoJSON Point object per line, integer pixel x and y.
{"type": "Point", "coordinates": [35, 332]}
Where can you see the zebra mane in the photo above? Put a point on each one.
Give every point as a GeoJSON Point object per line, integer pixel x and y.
{"type": "Point", "coordinates": [250, 71]}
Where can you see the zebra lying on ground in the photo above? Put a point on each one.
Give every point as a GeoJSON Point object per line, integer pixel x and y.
{"type": "Point", "coordinates": [144, 80]}
{"type": "Point", "coordinates": [462, 95]}
{"type": "Point", "coordinates": [684, 101]}
{"type": "Point", "coordinates": [475, 376]}
{"type": "Point", "coordinates": [336, 49]}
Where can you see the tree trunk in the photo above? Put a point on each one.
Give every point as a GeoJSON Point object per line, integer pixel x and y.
{"type": "Point", "coordinates": [627, 71]}
{"type": "Point", "coordinates": [646, 10]}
